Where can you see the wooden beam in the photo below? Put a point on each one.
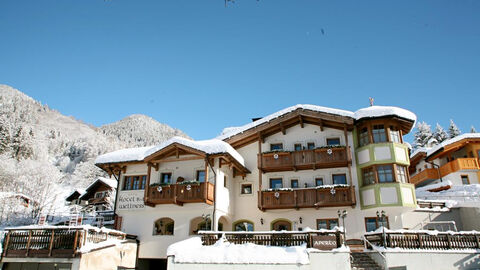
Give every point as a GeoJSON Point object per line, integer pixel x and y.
{"type": "Point", "coordinates": [177, 159]}
{"type": "Point", "coordinates": [147, 186]}
{"type": "Point", "coordinates": [349, 154]}
{"type": "Point", "coordinates": [177, 154]}
{"type": "Point", "coordinates": [320, 123]}
{"type": "Point", "coordinates": [282, 128]}
{"type": "Point", "coordinates": [300, 118]}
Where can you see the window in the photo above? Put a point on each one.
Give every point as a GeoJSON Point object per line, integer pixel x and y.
{"type": "Point", "coordinates": [401, 174]}
{"type": "Point", "coordinates": [165, 178]}
{"type": "Point", "coordinates": [385, 173]}
{"type": "Point", "coordinates": [134, 182]}
{"type": "Point", "coordinates": [281, 225]}
{"type": "Point", "coordinates": [465, 180]}
{"type": "Point", "coordinates": [294, 183]}
{"type": "Point", "coordinates": [318, 181]}
{"type": "Point", "coordinates": [327, 224]}
{"type": "Point", "coordinates": [243, 226]}
{"type": "Point", "coordinates": [339, 179]}
{"type": "Point", "coordinates": [100, 194]}
{"type": "Point", "coordinates": [276, 146]}
{"type": "Point", "coordinates": [201, 176]}
{"type": "Point", "coordinates": [276, 183]}
{"type": "Point", "coordinates": [163, 226]}
{"type": "Point", "coordinates": [246, 189]}
{"type": "Point", "coordinates": [333, 141]}
{"type": "Point", "coordinates": [363, 138]}
{"type": "Point", "coordinates": [310, 145]}
{"type": "Point", "coordinates": [297, 147]}
{"type": "Point", "coordinates": [368, 176]}
{"type": "Point", "coordinates": [379, 134]}
{"type": "Point", "coordinates": [373, 223]}
{"type": "Point", "coordinates": [394, 135]}
{"type": "Point", "coordinates": [224, 181]}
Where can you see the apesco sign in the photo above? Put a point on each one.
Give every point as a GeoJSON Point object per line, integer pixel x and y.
{"type": "Point", "coordinates": [130, 200]}
{"type": "Point", "coordinates": [324, 242]}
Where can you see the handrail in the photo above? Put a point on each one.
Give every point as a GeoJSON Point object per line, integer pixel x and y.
{"type": "Point", "coordinates": [376, 249]}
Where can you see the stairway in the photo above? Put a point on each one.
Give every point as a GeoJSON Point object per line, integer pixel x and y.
{"type": "Point", "coordinates": [361, 261]}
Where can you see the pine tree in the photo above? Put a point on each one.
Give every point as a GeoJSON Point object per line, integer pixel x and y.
{"type": "Point", "coordinates": [473, 130]}
{"type": "Point", "coordinates": [453, 130]}
{"type": "Point", "coordinates": [440, 134]}
{"type": "Point", "coordinates": [422, 135]}
{"type": "Point", "coordinates": [4, 138]}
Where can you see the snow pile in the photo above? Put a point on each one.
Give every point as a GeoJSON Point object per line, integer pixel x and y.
{"type": "Point", "coordinates": [429, 232]}
{"type": "Point", "coordinates": [89, 246]}
{"type": "Point", "coordinates": [444, 183]}
{"type": "Point", "coordinates": [192, 251]}
{"type": "Point", "coordinates": [465, 195]}
{"type": "Point", "coordinates": [453, 140]}
{"type": "Point", "coordinates": [380, 111]}
{"type": "Point", "coordinates": [419, 150]}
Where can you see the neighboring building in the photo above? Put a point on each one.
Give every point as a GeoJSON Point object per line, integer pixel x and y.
{"type": "Point", "coordinates": [455, 160]}
{"type": "Point", "coordinates": [292, 170]}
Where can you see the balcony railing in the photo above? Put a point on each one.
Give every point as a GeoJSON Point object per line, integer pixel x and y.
{"type": "Point", "coordinates": [304, 159]}
{"type": "Point", "coordinates": [60, 242]}
{"type": "Point", "coordinates": [282, 238]}
{"type": "Point", "coordinates": [424, 240]}
{"type": "Point", "coordinates": [427, 174]}
{"type": "Point", "coordinates": [458, 165]}
{"type": "Point", "coordinates": [307, 198]}
{"type": "Point", "coordinates": [181, 193]}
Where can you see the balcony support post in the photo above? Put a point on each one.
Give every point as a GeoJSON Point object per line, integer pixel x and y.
{"type": "Point", "coordinates": [347, 150]}
{"type": "Point", "coordinates": [147, 185]}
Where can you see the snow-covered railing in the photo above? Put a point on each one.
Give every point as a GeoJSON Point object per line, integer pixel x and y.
{"type": "Point", "coordinates": [424, 239]}
{"type": "Point", "coordinates": [55, 241]}
{"type": "Point", "coordinates": [272, 238]}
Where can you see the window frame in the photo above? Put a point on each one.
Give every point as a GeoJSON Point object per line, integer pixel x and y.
{"type": "Point", "coordinates": [294, 180]}
{"type": "Point", "coordinates": [366, 136]}
{"type": "Point", "coordinates": [295, 147]}
{"type": "Point", "coordinates": [338, 174]}
{"type": "Point", "coordinates": [240, 221]}
{"type": "Point", "coordinates": [275, 178]}
{"type": "Point", "coordinates": [466, 176]}
{"type": "Point", "coordinates": [334, 138]}
{"type": "Point", "coordinates": [310, 145]}
{"type": "Point", "coordinates": [377, 221]}
{"type": "Point", "coordinates": [162, 174]}
{"type": "Point", "coordinates": [140, 185]}
{"type": "Point", "coordinates": [242, 188]}
{"type": "Point", "coordinates": [279, 149]}
{"type": "Point", "coordinates": [402, 175]}
{"type": "Point", "coordinates": [318, 179]}
{"type": "Point", "coordinates": [377, 132]}
{"type": "Point", "coordinates": [197, 175]}
{"type": "Point", "coordinates": [164, 226]}
{"type": "Point", "coordinates": [328, 221]}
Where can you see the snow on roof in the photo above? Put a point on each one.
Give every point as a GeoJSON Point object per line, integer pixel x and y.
{"type": "Point", "coordinates": [109, 182]}
{"type": "Point", "coordinates": [213, 146]}
{"type": "Point", "coordinates": [453, 140]}
{"type": "Point", "coordinates": [192, 251]}
{"type": "Point", "coordinates": [380, 111]}
{"type": "Point", "coordinates": [80, 191]}
{"type": "Point", "coordinates": [9, 194]}
{"type": "Point", "coordinates": [123, 155]}
{"type": "Point", "coordinates": [418, 151]}
{"type": "Point", "coordinates": [229, 132]}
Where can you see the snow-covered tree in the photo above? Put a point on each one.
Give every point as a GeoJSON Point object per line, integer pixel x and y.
{"type": "Point", "coordinates": [453, 130]}
{"type": "Point", "coordinates": [4, 137]}
{"type": "Point", "coordinates": [440, 134]}
{"type": "Point", "coordinates": [423, 135]}
{"type": "Point", "coordinates": [473, 130]}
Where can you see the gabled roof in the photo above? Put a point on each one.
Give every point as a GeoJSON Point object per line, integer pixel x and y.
{"type": "Point", "coordinates": [123, 155]}
{"type": "Point", "coordinates": [108, 182]}
{"type": "Point", "coordinates": [452, 144]}
{"type": "Point", "coordinates": [75, 195]}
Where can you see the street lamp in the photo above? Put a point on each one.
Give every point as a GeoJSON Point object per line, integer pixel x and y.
{"type": "Point", "coordinates": [382, 217]}
{"type": "Point", "coordinates": [343, 215]}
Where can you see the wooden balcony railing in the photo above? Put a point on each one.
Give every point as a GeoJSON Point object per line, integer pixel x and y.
{"type": "Point", "coordinates": [427, 174]}
{"type": "Point", "coordinates": [305, 159]}
{"type": "Point", "coordinates": [60, 242]}
{"type": "Point", "coordinates": [458, 165]}
{"type": "Point", "coordinates": [423, 240]}
{"type": "Point", "coordinates": [307, 198]}
{"type": "Point", "coordinates": [282, 238]}
{"type": "Point", "coordinates": [181, 193]}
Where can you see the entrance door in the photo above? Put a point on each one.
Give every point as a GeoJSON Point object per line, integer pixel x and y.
{"type": "Point", "coordinates": [282, 225]}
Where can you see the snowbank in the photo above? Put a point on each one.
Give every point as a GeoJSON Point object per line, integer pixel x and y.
{"type": "Point", "coordinates": [429, 232]}
{"type": "Point", "coordinates": [192, 251]}
{"type": "Point", "coordinates": [455, 196]}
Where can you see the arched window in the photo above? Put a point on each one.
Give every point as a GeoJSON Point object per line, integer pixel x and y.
{"type": "Point", "coordinates": [281, 225]}
{"type": "Point", "coordinates": [243, 226]}
{"type": "Point", "coordinates": [163, 226]}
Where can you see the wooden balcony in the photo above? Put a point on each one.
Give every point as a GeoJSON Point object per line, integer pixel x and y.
{"type": "Point", "coordinates": [307, 198]}
{"type": "Point", "coordinates": [459, 164]}
{"type": "Point", "coordinates": [427, 174]}
{"type": "Point", "coordinates": [181, 193]}
{"type": "Point", "coordinates": [304, 159]}
{"type": "Point", "coordinates": [57, 242]}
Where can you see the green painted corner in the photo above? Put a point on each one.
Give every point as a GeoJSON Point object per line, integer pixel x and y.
{"type": "Point", "coordinates": [371, 154]}
{"type": "Point", "coordinates": [398, 188]}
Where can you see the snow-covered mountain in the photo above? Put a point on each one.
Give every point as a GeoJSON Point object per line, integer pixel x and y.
{"type": "Point", "coordinates": [140, 130]}
{"type": "Point", "coordinates": [45, 155]}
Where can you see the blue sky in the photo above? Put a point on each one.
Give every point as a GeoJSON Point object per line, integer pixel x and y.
{"type": "Point", "coordinates": [200, 66]}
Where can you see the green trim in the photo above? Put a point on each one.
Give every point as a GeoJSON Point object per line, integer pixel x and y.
{"type": "Point", "coordinates": [398, 188]}
{"type": "Point", "coordinates": [241, 221]}
{"type": "Point", "coordinates": [280, 219]}
{"type": "Point", "coordinates": [393, 159]}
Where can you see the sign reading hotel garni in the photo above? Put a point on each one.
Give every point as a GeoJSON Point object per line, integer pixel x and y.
{"type": "Point", "coordinates": [324, 242]}
{"type": "Point", "coordinates": [131, 200]}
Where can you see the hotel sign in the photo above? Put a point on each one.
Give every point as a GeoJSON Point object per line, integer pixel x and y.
{"type": "Point", "coordinates": [324, 242]}
{"type": "Point", "coordinates": [131, 200]}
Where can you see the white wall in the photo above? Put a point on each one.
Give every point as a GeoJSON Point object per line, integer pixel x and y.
{"type": "Point", "coordinates": [431, 260]}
